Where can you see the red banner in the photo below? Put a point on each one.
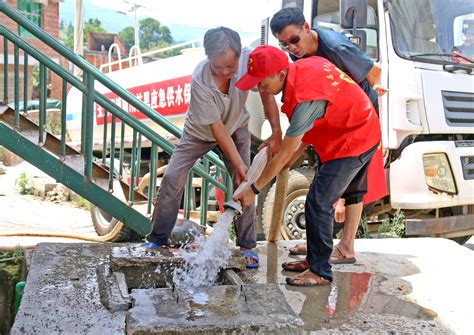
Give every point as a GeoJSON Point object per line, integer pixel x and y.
{"type": "Point", "coordinates": [169, 97]}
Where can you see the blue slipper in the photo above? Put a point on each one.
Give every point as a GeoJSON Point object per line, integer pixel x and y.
{"type": "Point", "coordinates": [149, 245]}
{"type": "Point", "coordinates": [251, 254]}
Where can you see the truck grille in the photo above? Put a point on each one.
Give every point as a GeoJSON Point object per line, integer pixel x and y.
{"type": "Point", "coordinates": [467, 163]}
{"type": "Point", "coordinates": [458, 108]}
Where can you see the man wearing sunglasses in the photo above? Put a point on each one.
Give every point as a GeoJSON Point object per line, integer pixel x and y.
{"type": "Point", "coordinates": [297, 38]}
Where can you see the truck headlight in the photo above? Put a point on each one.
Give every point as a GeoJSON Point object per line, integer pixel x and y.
{"type": "Point", "coordinates": [438, 174]}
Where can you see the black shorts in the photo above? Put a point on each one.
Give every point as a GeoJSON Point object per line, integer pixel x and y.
{"type": "Point", "coordinates": [358, 187]}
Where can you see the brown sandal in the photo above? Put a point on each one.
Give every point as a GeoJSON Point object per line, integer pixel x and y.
{"type": "Point", "coordinates": [337, 257]}
{"type": "Point", "coordinates": [299, 249]}
{"type": "Point", "coordinates": [305, 279]}
{"type": "Point", "coordinates": [296, 266]}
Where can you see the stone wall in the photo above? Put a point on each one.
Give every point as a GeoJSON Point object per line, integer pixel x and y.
{"type": "Point", "coordinates": [7, 298]}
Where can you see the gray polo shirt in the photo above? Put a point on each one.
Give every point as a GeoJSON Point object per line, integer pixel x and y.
{"type": "Point", "coordinates": [208, 104]}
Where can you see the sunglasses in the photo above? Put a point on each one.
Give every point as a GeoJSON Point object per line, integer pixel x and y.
{"type": "Point", "coordinates": [294, 40]}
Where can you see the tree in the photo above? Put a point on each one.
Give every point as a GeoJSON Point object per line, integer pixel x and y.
{"type": "Point", "coordinates": [66, 33]}
{"type": "Point", "coordinates": [152, 34]}
{"type": "Point", "coordinates": [93, 26]}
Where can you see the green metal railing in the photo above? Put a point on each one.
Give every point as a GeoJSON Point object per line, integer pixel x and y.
{"type": "Point", "coordinates": [113, 140]}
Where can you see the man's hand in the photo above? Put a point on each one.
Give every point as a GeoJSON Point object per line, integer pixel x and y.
{"type": "Point", "coordinates": [380, 90]}
{"type": "Point", "coordinates": [246, 197]}
{"type": "Point", "coordinates": [340, 211]}
{"type": "Point", "coordinates": [273, 143]}
{"type": "Point", "coordinates": [240, 173]}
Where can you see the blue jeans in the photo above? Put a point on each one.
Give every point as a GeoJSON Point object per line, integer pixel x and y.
{"type": "Point", "coordinates": [330, 182]}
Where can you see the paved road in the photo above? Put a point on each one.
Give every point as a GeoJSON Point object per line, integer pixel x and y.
{"type": "Point", "coordinates": [26, 213]}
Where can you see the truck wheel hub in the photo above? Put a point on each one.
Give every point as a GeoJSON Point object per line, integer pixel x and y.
{"type": "Point", "coordinates": [294, 221]}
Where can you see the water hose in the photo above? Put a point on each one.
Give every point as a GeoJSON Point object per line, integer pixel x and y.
{"type": "Point", "coordinates": [103, 238]}
{"type": "Point", "coordinates": [255, 170]}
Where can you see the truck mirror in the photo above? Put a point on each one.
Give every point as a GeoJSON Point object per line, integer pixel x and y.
{"type": "Point", "coordinates": [359, 38]}
{"type": "Point", "coordinates": [353, 13]}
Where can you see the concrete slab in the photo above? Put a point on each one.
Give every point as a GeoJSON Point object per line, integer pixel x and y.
{"type": "Point", "coordinates": [61, 294]}
{"type": "Point", "coordinates": [117, 289]}
{"type": "Point", "coordinates": [396, 286]}
{"type": "Point", "coordinates": [257, 309]}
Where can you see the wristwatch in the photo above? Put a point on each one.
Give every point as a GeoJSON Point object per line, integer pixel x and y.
{"type": "Point", "coordinates": [254, 189]}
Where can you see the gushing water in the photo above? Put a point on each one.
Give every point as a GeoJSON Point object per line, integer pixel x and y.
{"type": "Point", "coordinates": [202, 265]}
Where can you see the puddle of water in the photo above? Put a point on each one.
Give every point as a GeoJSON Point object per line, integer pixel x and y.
{"type": "Point", "coordinates": [350, 293]}
{"type": "Point", "coordinates": [201, 267]}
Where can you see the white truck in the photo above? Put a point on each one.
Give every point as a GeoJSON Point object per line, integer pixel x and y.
{"type": "Point", "coordinates": [427, 116]}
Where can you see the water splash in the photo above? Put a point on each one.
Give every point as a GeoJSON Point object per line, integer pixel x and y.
{"type": "Point", "coordinates": [212, 254]}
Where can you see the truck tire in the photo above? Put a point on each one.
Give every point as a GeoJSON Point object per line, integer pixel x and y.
{"type": "Point", "coordinates": [104, 224]}
{"type": "Point", "coordinates": [293, 225]}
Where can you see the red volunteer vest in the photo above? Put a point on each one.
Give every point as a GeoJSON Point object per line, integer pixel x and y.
{"type": "Point", "coordinates": [350, 125]}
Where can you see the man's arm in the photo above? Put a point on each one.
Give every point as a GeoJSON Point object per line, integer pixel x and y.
{"type": "Point", "coordinates": [373, 77]}
{"type": "Point", "coordinates": [272, 114]}
{"type": "Point", "coordinates": [302, 120]}
{"type": "Point", "coordinates": [288, 146]}
{"type": "Point", "coordinates": [227, 145]}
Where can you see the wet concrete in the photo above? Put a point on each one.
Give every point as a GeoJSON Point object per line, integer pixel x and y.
{"type": "Point", "coordinates": [253, 309]}
{"type": "Point", "coordinates": [396, 286]}
{"type": "Point", "coordinates": [62, 293]}
{"type": "Point", "coordinates": [125, 289]}
{"type": "Point", "coordinates": [381, 293]}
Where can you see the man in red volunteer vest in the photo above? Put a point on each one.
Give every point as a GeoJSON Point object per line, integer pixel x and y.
{"type": "Point", "coordinates": [328, 110]}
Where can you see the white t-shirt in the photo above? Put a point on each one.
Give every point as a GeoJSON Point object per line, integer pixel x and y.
{"type": "Point", "coordinates": [208, 104]}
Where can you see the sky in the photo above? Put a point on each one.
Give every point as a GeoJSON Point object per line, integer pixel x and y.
{"type": "Point", "coordinates": [198, 15]}
{"type": "Point", "coordinates": [244, 15]}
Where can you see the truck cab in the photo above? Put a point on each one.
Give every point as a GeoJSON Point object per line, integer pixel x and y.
{"type": "Point", "coordinates": [427, 117]}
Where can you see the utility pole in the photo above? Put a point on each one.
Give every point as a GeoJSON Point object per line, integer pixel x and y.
{"type": "Point", "coordinates": [79, 33]}
{"type": "Point", "coordinates": [136, 25]}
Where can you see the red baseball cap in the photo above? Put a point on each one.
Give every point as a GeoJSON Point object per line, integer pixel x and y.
{"type": "Point", "coordinates": [264, 61]}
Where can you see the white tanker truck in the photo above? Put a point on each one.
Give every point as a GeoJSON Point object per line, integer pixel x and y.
{"type": "Point", "coordinates": [427, 117]}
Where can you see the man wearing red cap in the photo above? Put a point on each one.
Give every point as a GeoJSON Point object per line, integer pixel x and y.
{"type": "Point", "coordinates": [328, 110]}
{"type": "Point", "coordinates": [296, 37]}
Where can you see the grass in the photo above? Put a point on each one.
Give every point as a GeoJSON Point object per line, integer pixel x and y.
{"type": "Point", "coordinates": [24, 184]}
{"type": "Point", "coordinates": [10, 261]}
{"type": "Point", "coordinates": [82, 203]}
{"type": "Point", "coordinates": [363, 230]}
{"type": "Point", "coordinates": [395, 225]}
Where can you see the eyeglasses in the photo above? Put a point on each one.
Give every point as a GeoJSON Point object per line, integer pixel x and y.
{"type": "Point", "coordinates": [294, 40]}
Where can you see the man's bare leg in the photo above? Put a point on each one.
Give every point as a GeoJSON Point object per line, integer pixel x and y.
{"type": "Point", "coordinates": [353, 215]}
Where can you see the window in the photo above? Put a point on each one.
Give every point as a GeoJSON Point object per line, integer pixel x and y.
{"type": "Point", "coordinates": [32, 10]}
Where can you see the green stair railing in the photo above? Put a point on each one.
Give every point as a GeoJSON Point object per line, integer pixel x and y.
{"type": "Point", "coordinates": [112, 142]}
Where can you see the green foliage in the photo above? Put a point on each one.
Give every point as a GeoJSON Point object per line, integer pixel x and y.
{"type": "Point", "coordinates": [363, 229]}
{"type": "Point", "coordinates": [35, 75]}
{"type": "Point", "coordinates": [395, 226]}
{"type": "Point", "coordinates": [66, 32]}
{"type": "Point", "coordinates": [53, 127]}
{"type": "Point", "coordinates": [152, 35]}
{"type": "Point", "coordinates": [93, 26]}
{"type": "Point", "coordinates": [82, 203]}
{"type": "Point", "coordinates": [10, 261]}
{"type": "Point", "coordinates": [24, 184]}
{"type": "Point", "coordinates": [14, 256]}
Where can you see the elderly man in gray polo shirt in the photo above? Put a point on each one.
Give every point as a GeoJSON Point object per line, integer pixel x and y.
{"type": "Point", "coordinates": [216, 117]}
